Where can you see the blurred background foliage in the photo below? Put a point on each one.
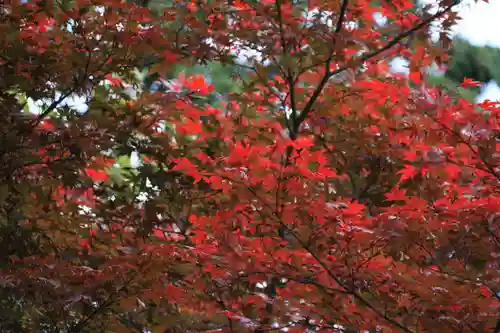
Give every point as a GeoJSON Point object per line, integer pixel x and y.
{"type": "Point", "coordinates": [479, 63]}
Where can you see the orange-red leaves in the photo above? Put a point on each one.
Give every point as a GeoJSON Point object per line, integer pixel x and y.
{"type": "Point", "coordinates": [174, 293]}
{"type": "Point", "coordinates": [379, 263]}
{"type": "Point", "coordinates": [239, 154]}
{"type": "Point", "coordinates": [452, 171]}
{"type": "Point", "coordinates": [488, 105]}
{"type": "Point", "coordinates": [197, 83]}
{"type": "Point", "coordinates": [191, 6]}
{"type": "Point", "coordinates": [97, 175]}
{"type": "Point", "coordinates": [85, 243]}
{"type": "Point", "coordinates": [186, 166]}
{"type": "Point", "coordinates": [485, 291]}
{"type": "Point", "coordinates": [408, 172]}
{"type": "Point", "coordinates": [230, 314]}
{"type": "Point", "coordinates": [303, 142]}
{"type": "Point", "coordinates": [365, 230]}
{"type": "Point", "coordinates": [416, 77]}
{"type": "Point", "coordinates": [46, 125]}
{"type": "Point", "coordinates": [313, 164]}
{"type": "Point", "coordinates": [396, 194]}
{"type": "Point", "coordinates": [190, 127]}
{"type": "Point", "coordinates": [217, 183]}
{"type": "Point", "coordinates": [410, 155]}
{"type": "Point", "coordinates": [353, 209]}
{"type": "Point", "coordinates": [467, 82]}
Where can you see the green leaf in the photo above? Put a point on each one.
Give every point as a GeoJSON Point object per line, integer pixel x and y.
{"type": "Point", "coordinates": [124, 161]}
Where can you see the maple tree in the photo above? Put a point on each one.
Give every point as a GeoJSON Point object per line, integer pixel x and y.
{"type": "Point", "coordinates": [320, 193]}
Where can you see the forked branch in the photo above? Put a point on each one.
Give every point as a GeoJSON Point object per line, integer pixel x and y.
{"type": "Point", "coordinates": [395, 41]}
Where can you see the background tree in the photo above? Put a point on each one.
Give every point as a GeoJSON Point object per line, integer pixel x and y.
{"type": "Point", "coordinates": [469, 61]}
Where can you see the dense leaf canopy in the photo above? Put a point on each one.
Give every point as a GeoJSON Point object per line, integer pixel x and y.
{"type": "Point", "coordinates": [283, 178]}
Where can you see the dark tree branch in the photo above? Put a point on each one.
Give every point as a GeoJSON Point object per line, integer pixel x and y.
{"type": "Point", "coordinates": [340, 20]}
{"type": "Point", "coordinates": [63, 97]}
{"type": "Point", "coordinates": [80, 82]}
{"type": "Point", "coordinates": [297, 120]}
{"type": "Point", "coordinates": [396, 40]}
{"type": "Point", "coordinates": [110, 300]}
{"type": "Point", "coordinates": [289, 77]}
{"type": "Point", "coordinates": [347, 289]}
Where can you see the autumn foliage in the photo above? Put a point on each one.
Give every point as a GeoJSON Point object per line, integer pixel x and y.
{"type": "Point", "coordinates": [325, 194]}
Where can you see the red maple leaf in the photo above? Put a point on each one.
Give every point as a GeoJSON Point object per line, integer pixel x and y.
{"type": "Point", "coordinates": [85, 243]}
{"type": "Point", "coordinates": [185, 165]}
{"type": "Point", "coordinates": [97, 175]}
{"type": "Point", "coordinates": [408, 172]}
{"type": "Point", "coordinates": [467, 82]}
{"type": "Point", "coordinates": [416, 77]}
{"type": "Point", "coordinates": [396, 194]}
{"type": "Point", "coordinates": [452, 171]}
{"type": "Point", "coordinates": [190, 127]}
{"type": "Point", "coordinates": [197, 83]}
{"type": "Point", "coordinates": [354, 208]}
{"type": "Point", "coordinates": [47, 125]}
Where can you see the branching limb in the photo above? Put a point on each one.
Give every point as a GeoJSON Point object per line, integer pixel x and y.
{"type": "Point", "coordinates": [395, 41]}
